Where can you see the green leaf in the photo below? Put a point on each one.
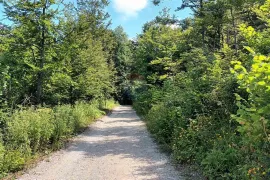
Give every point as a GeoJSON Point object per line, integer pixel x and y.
{"type": "Point", "coordinates": [261, 83]}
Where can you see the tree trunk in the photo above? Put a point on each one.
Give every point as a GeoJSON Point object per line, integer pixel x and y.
{"type": "Point", "coordinates": [42, 59]}
{"type": "Point", "coordinates": [234, 31]}
{"type": "Point", "coordinates": [201, 16]}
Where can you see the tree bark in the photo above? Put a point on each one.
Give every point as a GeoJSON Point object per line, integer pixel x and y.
{"type": "Point", "coordinates": [234, 31]}
{"type": "Point", "coordinates": [42, 59]}
{"type": "Point", "coordinates": [201, 16]}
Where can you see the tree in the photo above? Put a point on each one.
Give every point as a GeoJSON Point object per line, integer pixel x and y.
{"type": "Point", "coordinates": [188, 96]}
{"type": "Point", "coordinates": [34, 36]}
{"type": "Point", "coordinates": [86, 70]}
{"type": "Point", "coordinates": [123, 64]}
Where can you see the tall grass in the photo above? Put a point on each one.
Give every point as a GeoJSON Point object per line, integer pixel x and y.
{"type": "Point", "coordinates": [29, 132]}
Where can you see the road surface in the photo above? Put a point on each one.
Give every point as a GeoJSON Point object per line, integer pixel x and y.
{"type": "Point", "coordinates": [117, 147]}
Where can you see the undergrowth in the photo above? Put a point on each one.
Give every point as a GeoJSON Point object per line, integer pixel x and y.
{"type": "Point", "coordinates": [29, 132]}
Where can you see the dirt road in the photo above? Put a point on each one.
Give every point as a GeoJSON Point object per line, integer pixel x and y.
{"type": "Point", "coordinates": [117, 147]}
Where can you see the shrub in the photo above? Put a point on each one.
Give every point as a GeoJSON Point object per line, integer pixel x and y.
{"type": "Point", "coordinates": [32, 131]}
{"type": "Point", "coordinates": [14, 160]}
{"type": "Point", "coordinates": [142, 103]}
{"type": "Point", "coordinates": [160, 122]}
{"type": "Point", "coordinates": [220, 164]}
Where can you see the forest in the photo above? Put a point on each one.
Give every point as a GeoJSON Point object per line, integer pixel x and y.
{"type": "Point", "coordinates": [201, 84]}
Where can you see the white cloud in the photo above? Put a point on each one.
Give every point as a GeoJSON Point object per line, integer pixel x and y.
{"type": "Point", "coordinates": [173, 26]}
{"type": "Point", "coordinates": [129, 8]}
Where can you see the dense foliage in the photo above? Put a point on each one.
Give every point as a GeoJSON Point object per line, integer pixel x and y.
{"type": "Point", "coordinates": [202, 84]}
{"type": "Point", "coordinates": [29, 132]}
{"type": "Point", "coordinates": [57, 55]}
{"type": "Point", "coordinates": [60, 69]}
{"type": "Point", "coordinates": [205, 87]}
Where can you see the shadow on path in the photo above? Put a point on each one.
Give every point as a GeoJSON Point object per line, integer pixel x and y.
{"type": "Point", "coordinates": [124, 135]}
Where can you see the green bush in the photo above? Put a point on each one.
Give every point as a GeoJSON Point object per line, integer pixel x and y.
{"type": "Point", "coordinates": [14, 160]}
{"type": "Point", "coordinates": [222, 164]}
{"type": "Point", "coordinates": [210, 106]}
{"type": "Point", "coordinates": [64, 124]}
{"type": "Point", "coordinates": [189, 116]}
{"type": "Point", "coordinates": [2, 157]}
{"type": "Point", "coordinates": [160, 122]}
{"type": "Point", "coordinates": [32, 131]}
{"type": "Point", "coordinates": [142, 101]}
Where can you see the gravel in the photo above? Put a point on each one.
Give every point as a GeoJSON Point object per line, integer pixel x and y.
{"type": "Point", "coordinates": [117, 147]}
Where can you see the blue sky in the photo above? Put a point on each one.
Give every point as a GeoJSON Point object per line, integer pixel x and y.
{"type": "Point", "coordinates": [132, 14]}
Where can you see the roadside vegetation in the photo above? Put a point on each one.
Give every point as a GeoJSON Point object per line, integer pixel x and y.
{"type": "Point", "coordinates": [205, 88]}
{"type": "Point", "coordinates": [201, 83]}
{"type": "Point", "coordinates": [58, 74]}
{"type": "Point", "coordinates": [30, 132]}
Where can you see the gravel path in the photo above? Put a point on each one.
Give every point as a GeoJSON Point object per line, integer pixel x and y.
{"type": "Point", "coordinates": [117, 147]}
